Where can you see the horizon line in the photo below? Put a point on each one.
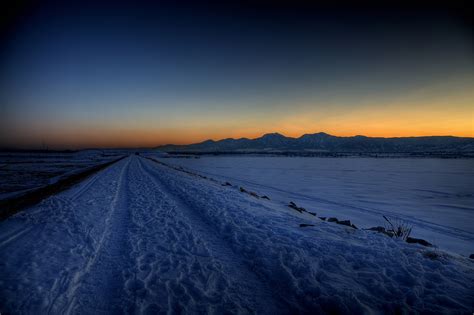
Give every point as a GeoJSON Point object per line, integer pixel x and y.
{"type": "Point", "coordinates": [66, 147]}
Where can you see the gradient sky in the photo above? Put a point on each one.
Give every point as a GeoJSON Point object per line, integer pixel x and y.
{"type": "Point", "coordinates": [121, 74]}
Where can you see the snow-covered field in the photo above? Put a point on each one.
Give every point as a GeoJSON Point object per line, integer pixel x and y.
{"type": "Point", "coordinates": [20, 171]}
{"type": "Point", "coordinates": [140, 237]}
{"type": "Point", "coordinates": [435, 196]}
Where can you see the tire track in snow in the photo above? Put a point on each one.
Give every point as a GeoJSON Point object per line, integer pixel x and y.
{"type": "Point", "coordinates": [66, 200]}
{"type": "Point", "coordinates": [197, 244]}
{"type": "Point", "coordinates": [54, 241]}
{"type": "Point", "coordinates": [101, 274]}
{"type": "Point", "coordinates": [14, 235]}
{"type": "Point", "coordinates": [85, 186]}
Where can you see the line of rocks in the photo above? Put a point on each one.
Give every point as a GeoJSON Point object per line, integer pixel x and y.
{"type": "Point", "coordinates": [251, 193]}
{"type": "Point", "coordinates": [181, 169]}
{"type": "Point", "coordinates": [293, 206]}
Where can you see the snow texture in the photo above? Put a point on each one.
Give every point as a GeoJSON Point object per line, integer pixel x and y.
{"type": "Point", "coordinates": [140, 237]}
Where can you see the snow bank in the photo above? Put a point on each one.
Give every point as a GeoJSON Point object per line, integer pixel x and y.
{"type": "Point", "coordinates": [435, 196]}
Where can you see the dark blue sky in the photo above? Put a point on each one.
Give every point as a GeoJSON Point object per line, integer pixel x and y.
{"type": "Point", "coordinates": [141, 74]}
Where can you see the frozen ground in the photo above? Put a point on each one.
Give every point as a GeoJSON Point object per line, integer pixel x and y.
{"type": "Point", "coordinates": [20, 171]}
{"type": "Point", "coordinates": [139, 237]}
{"type": "Point", "coordinates": [436, 196]}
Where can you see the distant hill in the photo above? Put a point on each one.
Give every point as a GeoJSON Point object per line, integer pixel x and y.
{"type": "Point", "coordinates": [323, 142]}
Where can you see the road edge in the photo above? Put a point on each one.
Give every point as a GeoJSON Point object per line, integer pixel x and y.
{"type": "Point", "coordinates": [11, 206]}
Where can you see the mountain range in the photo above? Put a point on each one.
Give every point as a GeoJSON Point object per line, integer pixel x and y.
{"type": "Point", "coordinates": [323, 142]}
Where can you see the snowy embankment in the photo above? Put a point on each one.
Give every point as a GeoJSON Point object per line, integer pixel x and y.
{"type": "Point", "coordinates": [142, 237]}
{"type": "Point", "coordinates": [435, 196]}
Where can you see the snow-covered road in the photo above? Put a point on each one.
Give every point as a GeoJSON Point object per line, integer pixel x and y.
{"type": "Point", "coordinates": [139, 237]}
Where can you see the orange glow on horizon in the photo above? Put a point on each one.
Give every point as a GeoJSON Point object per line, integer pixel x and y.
{"type": "Point", "coordinates": [452, 116]}
{"type": "Point", "coordinates": [142, 138]}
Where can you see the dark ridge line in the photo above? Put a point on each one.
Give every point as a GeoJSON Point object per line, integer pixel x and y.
{"type": "Point", "coordinates": [327, 154]}
{"type": "Point", "coordinates": [11, 206]}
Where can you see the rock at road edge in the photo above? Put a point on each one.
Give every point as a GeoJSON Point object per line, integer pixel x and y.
{"type": "Point", "coordinates": [347, 223]}
{"type": "Point", "coordinates": [379, 229]}
{"type": "Point", "coordinates": [420, 241]}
